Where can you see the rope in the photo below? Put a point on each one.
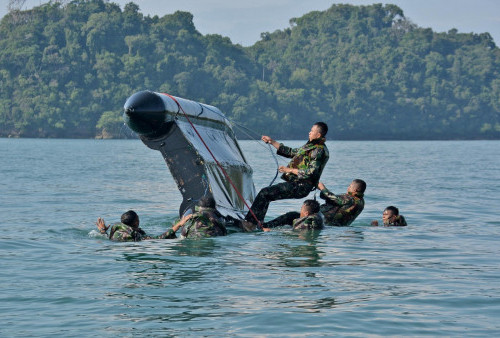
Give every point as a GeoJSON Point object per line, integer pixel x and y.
{"type": "Point", "coordinates": [216, 161]}
{"type": "Point", "coordinates": [242, 128]}
{"type": "Point", "coordinates": [269, 147]}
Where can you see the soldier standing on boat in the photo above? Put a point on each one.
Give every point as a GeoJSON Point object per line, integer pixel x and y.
{"type": "Point", "coordinates": [301, 175]}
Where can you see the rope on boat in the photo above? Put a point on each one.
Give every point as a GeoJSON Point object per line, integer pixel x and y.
{"type": "Point", "coordinates": [216, 161]}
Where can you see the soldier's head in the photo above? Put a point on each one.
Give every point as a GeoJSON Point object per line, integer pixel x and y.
{"type": "Point", "coordinates": [309, 207]}
{"type": "Point", "coordinates": [207, 202]}
{"type": "Point", "coordinates": [318, 130]}
{"type": "Point", "coordinates": [357, 185]}
{"type": "Point", "coordinates": [130, 218]}
{"type": "Point", "coordinates": [389, 215]}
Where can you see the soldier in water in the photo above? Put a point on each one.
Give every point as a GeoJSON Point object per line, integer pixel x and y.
{"type": "Point", "coordinates": [391, 217]}
{"type": "Point", "coordinates": [308, 218]}
{"type": "Point", "coordinates": [205, 222]}
{"type": "Point", "coordinates": [342, 209]}
{"type": "Point", "coordinates": [128, 229]}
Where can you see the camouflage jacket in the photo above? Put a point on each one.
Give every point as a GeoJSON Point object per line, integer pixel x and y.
{"type": "Point", "coordinates": [310, 159]}
{"type": "Point", "coordinates": [124, 233]}
{"type": "Point", "coordinates": [341, 210]}
{"type": "Point", "coordinates": [311, 222]}
{"type": "Point", "coordinates": [205, 222]}
{"type": "Point", "coordinates": [398, 222]}
{"type": "Point", "coordinates": [169, 234]}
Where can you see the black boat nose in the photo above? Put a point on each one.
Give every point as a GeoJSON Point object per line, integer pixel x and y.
{"type": "Point", "coordinates": [145, 113]}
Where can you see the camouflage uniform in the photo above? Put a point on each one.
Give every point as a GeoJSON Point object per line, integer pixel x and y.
{"type": "Point", "coordinates": [398, 222]}
{"type": "Point", "coordinates": [124, 233]}
{"type": "Point", "coordinates": [311, 222]}
{"type": "Point", "coordinates": [205, 222]}
{"type": "Point", "coordinates": [341, 210]}
{"type": "Point", "coordinates": [169, 234]}
{"type": "Point", "coordinates": [310, 160]}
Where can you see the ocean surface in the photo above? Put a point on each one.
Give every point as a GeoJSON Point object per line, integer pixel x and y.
{"type": "Point", "coordinates": [440, 276]}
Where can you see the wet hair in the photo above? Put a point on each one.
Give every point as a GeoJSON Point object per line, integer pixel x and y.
{"type": "Point", "coordinates": [323, 128]}
{"type": "Point", "coordinates": [129, 218]}
{"type": "Point", "coordinates": [394, 210]}
{"type": "Point", "coordinates": [360, 185]}
{"type": "Point", "coordinates": [312, 206]}
{"type": "Point", "coordinates": [207, 202]}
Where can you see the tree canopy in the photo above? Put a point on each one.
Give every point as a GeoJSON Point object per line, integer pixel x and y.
{"type": "Point", "coordinates": [370, 73]}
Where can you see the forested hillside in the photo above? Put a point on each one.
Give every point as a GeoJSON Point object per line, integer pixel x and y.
{"type": "Point", "coordinates": [67, 69]}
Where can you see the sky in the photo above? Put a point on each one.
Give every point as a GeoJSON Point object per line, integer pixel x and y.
{"type": "Point", "coordinates": [244, 20]}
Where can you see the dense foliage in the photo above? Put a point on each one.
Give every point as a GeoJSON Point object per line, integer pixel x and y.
{"type": "Point", "coordinates": [67, 69]}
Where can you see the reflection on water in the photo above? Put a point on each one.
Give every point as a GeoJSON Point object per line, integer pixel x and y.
{"type": "Point", "coordinates": [352, 235]}
{"type": "Point", "coordinates": [300, 250]}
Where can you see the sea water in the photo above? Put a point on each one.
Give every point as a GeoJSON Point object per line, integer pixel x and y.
{"type": "Point", "coordinates": [438, 276]}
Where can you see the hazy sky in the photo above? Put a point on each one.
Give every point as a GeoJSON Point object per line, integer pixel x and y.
{"type": "Point", "coordinates": [243, 20]}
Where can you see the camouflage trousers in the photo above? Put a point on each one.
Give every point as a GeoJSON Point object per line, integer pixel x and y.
{"type": "Point", "coordinates": [286, 219]}
{"type": "Point", "coordinates": [276, 192]}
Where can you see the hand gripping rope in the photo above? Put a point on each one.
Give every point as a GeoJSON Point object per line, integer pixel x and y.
{"type": "Point", "coordinates": [216, 161]}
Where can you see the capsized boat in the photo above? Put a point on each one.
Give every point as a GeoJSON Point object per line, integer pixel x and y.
{"type": "Point", "coordinates": [199, 147]}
